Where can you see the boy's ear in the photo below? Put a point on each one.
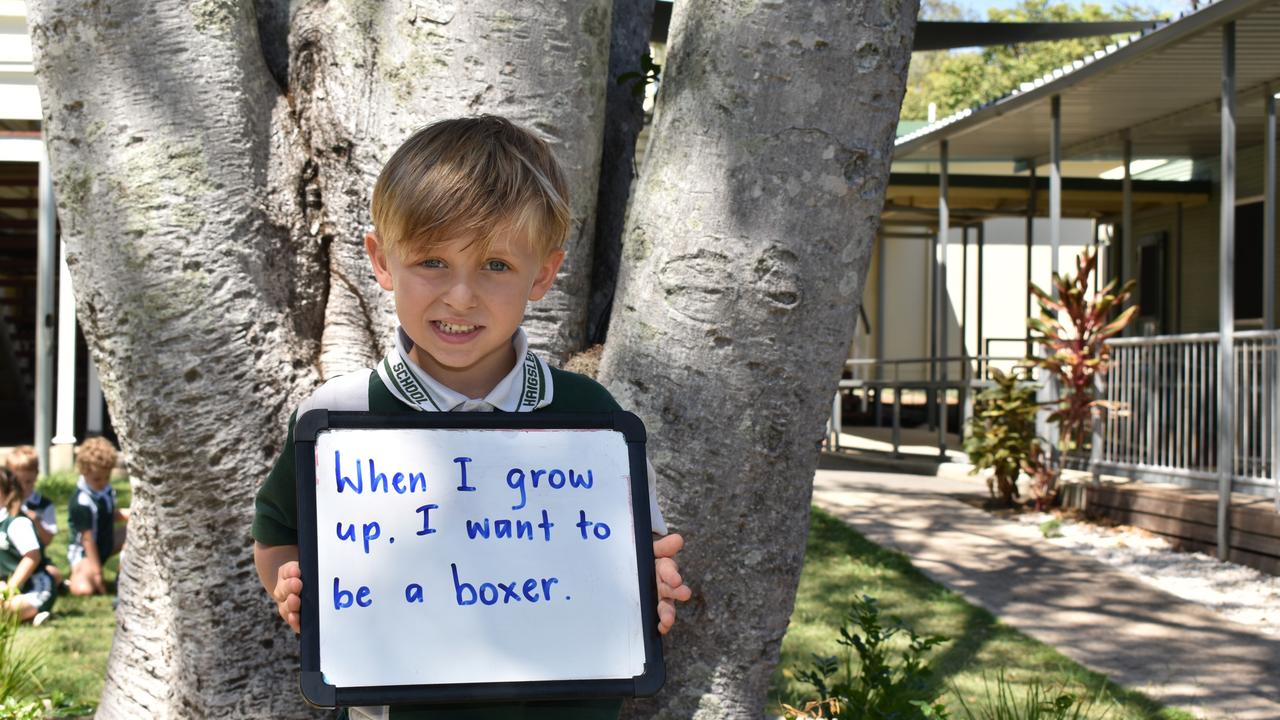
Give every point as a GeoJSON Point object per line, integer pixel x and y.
{"type": "Point", "coordinates": [378, 258]}
{"type": "Point", "coordinates": [546, 274]}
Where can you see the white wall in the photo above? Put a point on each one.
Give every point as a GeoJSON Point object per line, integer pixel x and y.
{"type": "Point", "coordinates": [908, 266]}
{"type": "Point", "coordinates": [19, 99]}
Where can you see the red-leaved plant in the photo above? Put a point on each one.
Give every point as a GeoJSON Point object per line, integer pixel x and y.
{"type": "Point", "coordinates": [1075, 356]}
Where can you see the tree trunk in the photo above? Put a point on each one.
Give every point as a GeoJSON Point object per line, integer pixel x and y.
{"type": "Point", "coordinates": [213, 219]}
{"type": "Point", "coordinates": [744, 258]}
{"type": "Point", "coordinates": [202, 303]}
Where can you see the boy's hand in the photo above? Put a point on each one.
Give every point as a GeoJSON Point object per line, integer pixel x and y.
{"type": "Point", "coordinates": [671, 587]}
{"type": "Point", "coordinates": [288, 594]}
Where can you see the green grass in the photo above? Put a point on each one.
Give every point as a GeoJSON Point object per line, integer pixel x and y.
{"type": "Point", "coordinates": [76, 639]}
{"type": "Point", "coordinates": [840, 564]}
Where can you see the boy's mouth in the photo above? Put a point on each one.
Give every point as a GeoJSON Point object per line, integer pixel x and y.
{"type": "Point", "coordinates": [452, 329]}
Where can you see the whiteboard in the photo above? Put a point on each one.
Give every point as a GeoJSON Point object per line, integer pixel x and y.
{"type": "Point", "coordinates": [457, 556]}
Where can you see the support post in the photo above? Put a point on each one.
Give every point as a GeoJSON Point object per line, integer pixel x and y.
{"type": "Point", "coordinates": [1269, 280]}
{"type": "Point", "coordinates": [1126, 210]}
{"type": "Point", "coordinates": [1097, 273]}
{"type": "Point", "coordinates": [46, 281]}
{"type": "Point", "coordinates": [835, 423]}
{"type": "Point", "coordinates": [66, 409]}
{"type": "Point", "coordinates": [944, 228]}
{"type": "Point", "coordinates": [93, 424]}
{"type": "Point", "coordinates": [1226, 292]}
{"type": "Point", "coordinates": [1269, 209]}
{"type": "Point", "coordinates": [931, 409]}
{"type": "Point", "coordinates": [1032, 202]}
{"type": "Point", "coordinates": [1055, 186]}
{"type": "Point", "coordinates": [1055, 240]}
{"type": "Point", "coordinates": [1177, 272]}
{"type": "Point", "coordinates": [982, 229]}
{"type": "Point", "coordinates": [962, 403]}
{"type": "Point", "coordinates": [881, 247]}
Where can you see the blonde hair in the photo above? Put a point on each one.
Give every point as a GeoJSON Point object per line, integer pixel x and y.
{"type": "Point", "coordinates": [96, 453]}
{"type": "Point", "coordinates": [23, 458]}
{"type": "Point", "coordinates": [479, 177]}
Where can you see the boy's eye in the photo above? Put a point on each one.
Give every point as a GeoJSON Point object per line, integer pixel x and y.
{"type": "Point", "coordinates": [496, 265]}
{"type": "Point", "coordinates": [432, 263]}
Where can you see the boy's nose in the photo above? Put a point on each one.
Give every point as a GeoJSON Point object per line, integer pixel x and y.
{"type": "Point", "coordinates": [460, 294]}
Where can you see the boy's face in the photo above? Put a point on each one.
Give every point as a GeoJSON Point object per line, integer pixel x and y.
{"type": "Point", "coordinates": [26, 478]}
{"type": "Point", "coordinates": [96, 477]}
{"type": "Point", "coordinates": [461, 308]}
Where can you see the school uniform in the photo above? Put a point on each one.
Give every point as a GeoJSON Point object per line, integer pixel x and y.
{"type": "Point", "coordinates": [95, 511]}
{"type": "Point", "coordinates": [17, 538]}
{"type": "Point", "coordinates": [398, 385]}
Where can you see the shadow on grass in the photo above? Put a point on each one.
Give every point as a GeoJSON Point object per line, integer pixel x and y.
{"type": "Point", "coordinates": [841, 564]}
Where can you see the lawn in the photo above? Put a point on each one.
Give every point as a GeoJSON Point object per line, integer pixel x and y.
{"type": "Point", "coordinates": [840, 563]}
{"type": "Point", "coordinates": [76, 639]}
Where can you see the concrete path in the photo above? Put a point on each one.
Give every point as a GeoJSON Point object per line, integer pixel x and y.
{"type": "Point", "coordinates": [1139, 636]}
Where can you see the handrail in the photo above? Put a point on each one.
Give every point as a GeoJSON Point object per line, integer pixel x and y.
{"type": "Point", "coordinates": [852, 362]}
{"type": "Point", "coordinates": [1192, 337]}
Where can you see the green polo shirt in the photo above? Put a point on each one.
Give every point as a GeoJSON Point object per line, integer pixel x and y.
{"type": "Point", "coordinates": [275, 522]}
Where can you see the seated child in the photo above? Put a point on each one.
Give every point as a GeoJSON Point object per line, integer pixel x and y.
{"type": "Point", "coordinates": [470, 216]}
{"type": "Point", "coordinates": [20, 556]}
{"type": "Point", "coordinates": [92, 514]}
{"type": "Point", "coordinates": [24, 463]}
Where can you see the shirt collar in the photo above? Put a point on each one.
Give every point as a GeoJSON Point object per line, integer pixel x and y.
{"type": "Point", "coordinates": [525, 388]}
{"type": "Point", "coordinates": [83, 485]}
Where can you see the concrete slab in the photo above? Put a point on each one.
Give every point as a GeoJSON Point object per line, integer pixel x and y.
{"type": "Point", "coordinates": [1139, 636]}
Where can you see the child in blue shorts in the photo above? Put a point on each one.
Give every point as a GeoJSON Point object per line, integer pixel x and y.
{"type": "Point", "coordinates": [470, 218]}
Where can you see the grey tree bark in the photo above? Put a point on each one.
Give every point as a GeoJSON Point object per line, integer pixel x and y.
{"type": "Point", "coordinates": [213, 184]}
{"type": "Point", "coordinates": [745, 252]}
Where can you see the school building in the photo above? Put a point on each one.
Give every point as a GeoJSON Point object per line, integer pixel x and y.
{"type": "Point", "coordinates": [1160, 151]}
{"type": "Point", "coordinates": [49, 392]}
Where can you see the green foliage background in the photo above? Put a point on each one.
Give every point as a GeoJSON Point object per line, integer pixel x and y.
{"type": "Point", "coordinates": [959, 79]}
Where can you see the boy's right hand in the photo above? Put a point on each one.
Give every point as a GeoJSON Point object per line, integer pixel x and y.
{"type": "Point", "coordinates": [288, 594]}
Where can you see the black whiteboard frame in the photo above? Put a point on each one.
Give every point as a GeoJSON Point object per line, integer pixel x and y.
{"type": "Point", "coordinates": [319, 693]}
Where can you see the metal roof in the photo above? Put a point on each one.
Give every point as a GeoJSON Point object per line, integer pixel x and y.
{"type": "Point", "coordinates": [1163, 85]}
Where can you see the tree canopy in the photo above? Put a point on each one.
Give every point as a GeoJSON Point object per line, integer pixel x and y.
{"type": "Point", "coordinates": [959, 79]}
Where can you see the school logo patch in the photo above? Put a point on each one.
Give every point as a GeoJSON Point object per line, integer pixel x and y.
{"type": "Point", "coordinates": [532, 382]}
{"type": "Point", "coordinates": [408, 383]}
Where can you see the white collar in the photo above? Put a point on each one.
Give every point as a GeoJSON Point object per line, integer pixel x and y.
{"type": "Point", "coordinates": [83, 485]}
{"type": "Point", "coordinates": [525, 388]}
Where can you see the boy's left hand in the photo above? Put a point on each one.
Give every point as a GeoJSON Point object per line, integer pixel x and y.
{"type": "Point", "coordinates": [671, 587]}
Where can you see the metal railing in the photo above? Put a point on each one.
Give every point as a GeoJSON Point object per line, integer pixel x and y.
{"type": "Point", "coordinates": [1160, 413]}
{"type": "Point", "coordinates": [933, 382]}
{"type": "Point", "coordinates": [1161, 410]}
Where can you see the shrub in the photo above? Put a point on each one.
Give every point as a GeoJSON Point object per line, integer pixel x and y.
{"type": "Point", "coordinates": [1002, 432]}
{"type": "Point", "coordinates": [58, 487]}
{"type": "Point", "coordinates": [878, 686]}
{"type": "Point", "coordinates": [18, 665]}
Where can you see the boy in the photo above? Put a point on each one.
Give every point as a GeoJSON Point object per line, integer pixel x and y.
{"type": "Point", "coordinates": [469, 219]}
{"type": "Point", "coordinates": [24, 464]}
{"type": "Point", "coordinates": [20, 556]}
{"type": "Point", "coordinates": [92, 514]}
